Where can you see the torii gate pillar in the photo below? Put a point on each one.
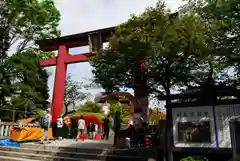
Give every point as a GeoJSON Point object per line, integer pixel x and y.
{"type": "Point", "coordinates": [59, 83]}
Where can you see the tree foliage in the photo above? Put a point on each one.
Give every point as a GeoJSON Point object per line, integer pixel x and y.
{"type": "Point", "coordinates": [118, 107]}
{"type": "Point", "coordinates": [155, 114]}
{"type": "Point", "coordinates": [21, 23]}
{"type": "Point", "coordinates": [73, 93]}
{"type": "Point", "coordinates": [226, 14]}
{"type": "Point", "coordinates": [166, 43]}
{"type": "Point", "coordinates": [24, 21]}
{"type": "Point", "coordinates": [28, 87]}
{"type": "Point", "coordinates": [90, 106]}
{"type": "Point", "coordinates": [190, 50]}
{"type": "Point", "coordinates": [217, 69]}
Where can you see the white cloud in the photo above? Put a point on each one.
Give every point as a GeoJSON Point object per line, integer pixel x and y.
{"type": "Point", "coordinates": [84, 15]}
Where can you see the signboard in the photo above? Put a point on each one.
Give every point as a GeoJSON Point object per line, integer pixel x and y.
{"type": "Point", "coordinates": [224, 113]}
{"type": "Point", "coordinates": [188, 120]}
{"type": "Point", "coordinates": [235, 138]}
{"type": "Point", "coordinates": [193, 127]}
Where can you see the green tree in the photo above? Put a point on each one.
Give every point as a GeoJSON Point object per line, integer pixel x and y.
{"type": "Point", "coordinates": [72, 93]}
{"type": "Point", "coordinates": [45, 55]}
{"type": "Point", "coordinates": [226, 15]}
{"type": "Point", "coordinates": [21, 23]}
{"type": "Point", "coordinates": [219, 62]}
{"type": "Point", "coordinates": [29, 88]}
{"type": "Point", "coordinates": [90, 106]}
{"type": "Point", "coordinates": [118, 107]}
{"type": "Point", "coordinates": [169, 46]}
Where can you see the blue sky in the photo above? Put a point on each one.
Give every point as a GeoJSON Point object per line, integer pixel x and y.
{"type": "Point", "coordinates": [86, 15]}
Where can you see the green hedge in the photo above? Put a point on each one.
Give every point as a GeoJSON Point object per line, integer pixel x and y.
{"type": "Point", "coordinates": [195, 158]}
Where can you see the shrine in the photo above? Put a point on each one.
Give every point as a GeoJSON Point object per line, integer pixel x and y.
{"type": "Point", "coordinates": [95, 40]}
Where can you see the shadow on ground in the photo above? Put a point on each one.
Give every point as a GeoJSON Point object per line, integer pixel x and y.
{"type": "Point", "coordinates": [104, 151]}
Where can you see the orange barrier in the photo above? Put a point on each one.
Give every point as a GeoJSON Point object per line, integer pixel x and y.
{"type": "Point", "coordinates": [28, 134]}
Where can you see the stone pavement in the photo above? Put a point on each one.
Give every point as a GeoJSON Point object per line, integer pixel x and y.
{"type": "Point", "coordinates": [71, 150]}
{"type": "Point", "coordinates": [86, 144]}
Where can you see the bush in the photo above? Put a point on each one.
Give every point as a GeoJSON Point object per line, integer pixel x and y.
{"type": "Point", "coordinates": [195, 158]}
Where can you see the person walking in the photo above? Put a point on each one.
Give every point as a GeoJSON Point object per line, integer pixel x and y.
{"type": "Point", "coordinates": [81, 128]}
{"type": "Point", "coordinates": [117, 126]}
{"type": "Point", "coordinates": [106, 127]}
{"type": "Point", "coordinates": [92, 131]}
{"type": "Point", "coordinates": [133, 134]}
{"type": "Point", "coordinates": [46, 123]}
{"type": "Point", "coordinates": [88, 128]}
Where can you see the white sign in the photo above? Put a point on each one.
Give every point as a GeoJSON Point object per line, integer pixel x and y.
{"type": "Point", "coordinates": [223, 114]}
{"type": "Point", "coordinates": [193, 114]}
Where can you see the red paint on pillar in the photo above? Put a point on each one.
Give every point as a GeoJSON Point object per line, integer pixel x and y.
{"type": "Point", "coordinates": [59, 85]}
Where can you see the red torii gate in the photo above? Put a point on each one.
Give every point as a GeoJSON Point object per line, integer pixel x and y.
{"type": "Point", "coordinates": [95, 40]}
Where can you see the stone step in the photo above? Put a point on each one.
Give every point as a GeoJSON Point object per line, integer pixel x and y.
{"type": "Point", "coordinates": [5, 158]}
{"type": "Point", "coordinates": [105, 154]}
{"type": "Point", "coordinates": [95, 150]}
{"type": "Point", "coordinates": [139, 152]}
{"type": "Point", "coordinates": [27, 156]}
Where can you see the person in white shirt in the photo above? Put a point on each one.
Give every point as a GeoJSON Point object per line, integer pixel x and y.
{"type": "Point", "coordinates": [47, 119]}
{"type": "Point", "coordinates": [81, 128]}
{"type": "Point", "coordinates": [96, 128]}
{"type": "Point", "coordinates": [96, 131]}
{"type": "Point", "coordinates": [59, 127]}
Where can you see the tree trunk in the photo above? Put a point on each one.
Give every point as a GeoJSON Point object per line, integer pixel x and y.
{"type": "Point", "coordinates": [169, 124]}
{"type": "Point", "coordinates": [141, 96]}
{"type": "Point", "coordinates": [169, 130]}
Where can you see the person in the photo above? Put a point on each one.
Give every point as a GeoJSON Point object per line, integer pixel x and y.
{"type": "Point", "coordinates": [132, 134]}
{"type": "Point", "coordinates": [96, 129]}
{"type": "Point", "coordinates": [88, 128]}
{"type": "Point", "coordinates": [142, 133]}
{"type": "Point", "coordinates": [46, 122]}
{"type": "Point", "coordinates": [74, 127]}
{"type": "Point", "coordinates": [60, 127]}
{"type": "Point", "coordinates": [106, 127]}
{"type": "Point", "coordinates": [117, 126]}
{"type": "Point", "coordinates": [81, 127]}
{"type": "Point", "coordinates": [92, 131]}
